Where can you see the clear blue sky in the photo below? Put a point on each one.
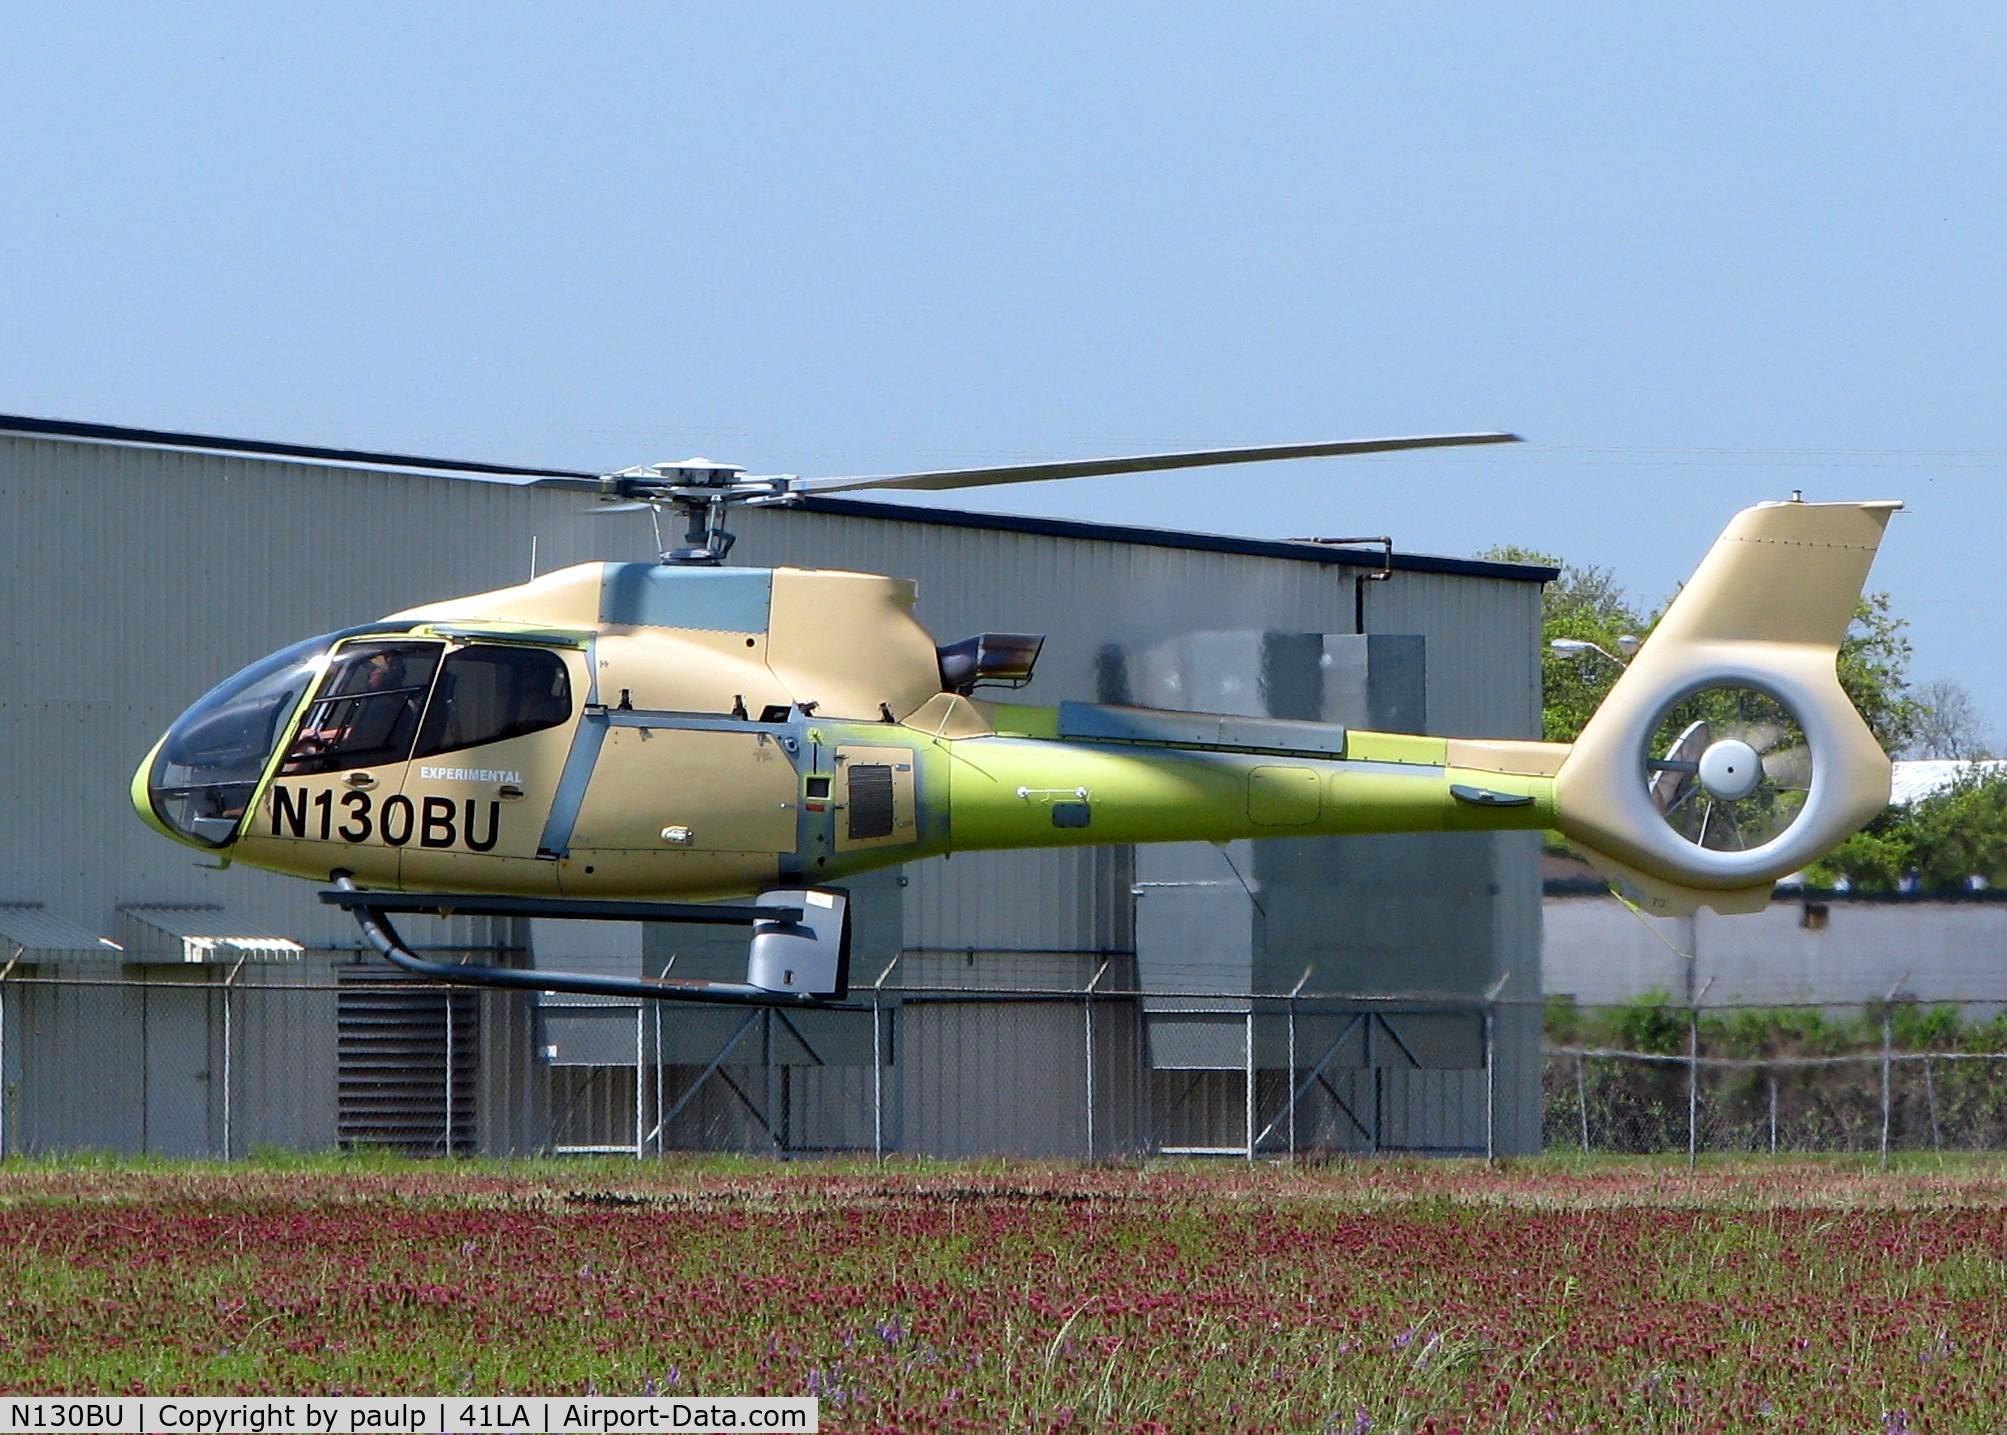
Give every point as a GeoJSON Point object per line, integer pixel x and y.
{"type": "Point", "coordinates": [1699, 256]}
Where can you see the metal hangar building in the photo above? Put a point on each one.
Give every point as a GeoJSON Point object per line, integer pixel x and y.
{"type": "Point", "coordinates": [1337, 994]}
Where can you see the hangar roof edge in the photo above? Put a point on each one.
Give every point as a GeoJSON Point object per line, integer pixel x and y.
{"type": "Point", "coordinates": [19, 425]}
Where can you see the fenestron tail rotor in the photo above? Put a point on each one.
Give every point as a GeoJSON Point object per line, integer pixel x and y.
{"type": "Point", "coordinates": [1751, 640]}
{"type": "Point", "coordinates": [701, 491]}
{"type": "Point", "coordinates": [1731, 769]}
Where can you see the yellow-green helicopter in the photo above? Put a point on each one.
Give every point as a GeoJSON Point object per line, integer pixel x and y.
{"type": "Point", "coordinates": [683, 741]}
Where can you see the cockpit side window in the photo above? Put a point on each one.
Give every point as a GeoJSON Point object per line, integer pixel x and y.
{"type": "Point", "coordinates": [367, 710]}
{"type": "Point", "coordinates": [490, 693]}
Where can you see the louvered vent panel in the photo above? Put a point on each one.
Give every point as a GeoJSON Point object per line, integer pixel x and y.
{"type": "Point", "coordinates": [871, 800]}
{"type": "Point", "coordinates": [394, 1091]}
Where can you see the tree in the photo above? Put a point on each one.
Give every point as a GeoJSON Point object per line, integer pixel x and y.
{"type": "Point", "coordinates": [1948, 723]}
{"type": "Point", "coordinates": [1586, 603]}
{"type": "Point", "coordinates": [1939, 841]}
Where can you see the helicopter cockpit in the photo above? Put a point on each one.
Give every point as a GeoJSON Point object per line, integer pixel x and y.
{"type": "Point", "coordinates": [377, 700]}
{"type": "Point", "coordinates": [209, 763]}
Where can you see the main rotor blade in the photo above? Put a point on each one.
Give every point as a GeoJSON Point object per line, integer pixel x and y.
{"type": "Point", "coordinates": [1138, 463]}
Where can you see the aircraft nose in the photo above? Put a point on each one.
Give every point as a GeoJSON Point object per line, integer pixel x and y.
{"type": "Point", "coordinates": [179, 799]}
{"type": "Point", "coordinates": [203, 773]}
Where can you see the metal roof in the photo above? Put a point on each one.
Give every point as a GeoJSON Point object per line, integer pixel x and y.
{"type": "Point", "coordinates": [31, 925]}
{"type": "Point", "coordinates": [1914, 780]}
{"type": "Point", "coordinates": [1302, 552]}
{"type": "Point", "coordinates": [199, 934]}
{"type": "Point", "coordinates": [263, 448]}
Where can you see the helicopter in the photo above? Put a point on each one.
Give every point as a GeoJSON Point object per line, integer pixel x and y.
{"type": "Point", "coordinates": [687, 742]}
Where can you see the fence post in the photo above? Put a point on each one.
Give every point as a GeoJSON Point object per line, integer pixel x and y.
{"type": "Point", "coordinates": [1888, 1059]}
{"type": "Point", "coordinates": [1693, 1077]}
{"type": "Point", "coordinates": [449, 1071]}
{"type": "Point", "coordinates": [229, 986]}
{"type": "Point", "coordinates": [1888, 1043]}
{"type": "Point", "coordinates": [1247, 1053]}
{"type": "Point", "coordinates": [1490, 1065]}
{"type": "Point", "coordinates": [1692, 1086]}
{"type": "Point", "coordinates": [878, 1064]}
{"type": "Point", "coordinates": [1930, 1100]}
{"type": "Point", "coordinates": [1771, 1075]}
{"type": "Point", "coordinates": [5, 972]}
{"type": "Point", "coordinates": [1291, 1090]}
{"type": "Point", "coordinates": [1087, 1020]}
{"type": "Point", "coordinates": [1582, 1101]}
{"type": "Point", "coordinates": [640, 1055]}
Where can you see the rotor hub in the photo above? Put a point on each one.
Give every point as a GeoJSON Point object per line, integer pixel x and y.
{"type": "Point", "coordinates": [1730, 769]}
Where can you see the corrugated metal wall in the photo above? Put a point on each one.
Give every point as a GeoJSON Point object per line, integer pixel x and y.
{"type": "Point", "coordinates": [136, 577]}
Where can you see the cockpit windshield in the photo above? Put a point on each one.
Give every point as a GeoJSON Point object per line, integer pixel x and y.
{"type": "Point", "coordinates": [366, 713]}
{"type": "Point", "coordinates": [211, 759]}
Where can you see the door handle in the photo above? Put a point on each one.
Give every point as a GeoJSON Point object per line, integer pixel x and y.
{"type": "Point", "coordinates": [510, 792]}
{"type": "Point", "coordinates": [361, 781]}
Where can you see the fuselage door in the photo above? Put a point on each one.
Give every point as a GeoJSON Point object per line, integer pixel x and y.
{"type": "Point", "coordinates": [334, 800]}
{"type": "Point", "coordinates": [488, 765]}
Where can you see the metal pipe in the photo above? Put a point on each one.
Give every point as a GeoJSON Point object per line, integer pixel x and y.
{"type": "Point", "coordinates": [640, 1119]}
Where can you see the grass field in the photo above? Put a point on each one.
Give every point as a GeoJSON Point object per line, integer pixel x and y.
{"type": "Point", "coordinates": [1613, 1295]}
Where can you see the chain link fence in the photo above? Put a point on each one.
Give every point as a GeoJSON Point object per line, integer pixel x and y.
{"type": "Point", "coordinates": [340, 1052]}
{"type": "Point", "coordinates": [1652, 1077]}
{"type": "Point", "coordinates": [335, 1052]}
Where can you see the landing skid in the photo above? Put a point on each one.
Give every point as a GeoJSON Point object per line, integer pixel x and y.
{"type": "Point", "coordinates": [799, 949]}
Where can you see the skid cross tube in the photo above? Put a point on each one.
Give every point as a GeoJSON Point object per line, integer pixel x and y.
{"type": "Point", "coordinates": [370, 908]}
